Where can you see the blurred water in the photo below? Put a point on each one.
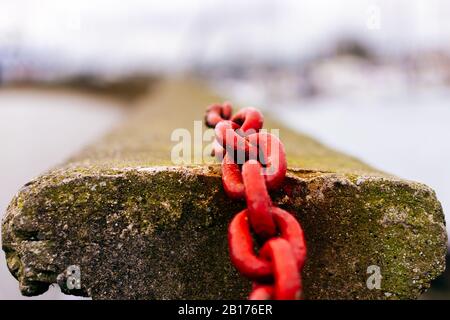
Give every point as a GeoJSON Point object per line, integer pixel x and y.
{"type": "Point", "coordinates": [39, 129]}
{"type": "Point", "coordinates": [404, 135]}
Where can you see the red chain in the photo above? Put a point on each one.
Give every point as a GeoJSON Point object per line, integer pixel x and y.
{"type": "Point", "coordinates": [275, 270]}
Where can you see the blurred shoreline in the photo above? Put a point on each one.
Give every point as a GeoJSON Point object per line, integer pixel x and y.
{"type": "Point", "coordinates": [124, 88]}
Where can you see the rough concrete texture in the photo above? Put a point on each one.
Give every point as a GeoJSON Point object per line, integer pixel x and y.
{"type": "Point", "coordinates": [140, 228]}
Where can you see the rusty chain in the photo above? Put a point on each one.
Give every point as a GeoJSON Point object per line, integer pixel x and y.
{"type": "Point", "coordinates": [254, 162]}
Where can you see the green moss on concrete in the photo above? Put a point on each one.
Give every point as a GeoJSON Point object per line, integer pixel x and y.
{"type": "Point", "coordinates": [163, 232]}
{"type": "Point", "coordinates": [144, 140]}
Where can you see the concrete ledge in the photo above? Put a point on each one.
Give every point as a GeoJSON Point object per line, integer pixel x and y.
{"type": "Point", "coordinates": [139, 228]}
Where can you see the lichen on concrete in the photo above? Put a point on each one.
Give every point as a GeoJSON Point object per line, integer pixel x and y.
{"type": "Point", "coordinates": [140, 228]}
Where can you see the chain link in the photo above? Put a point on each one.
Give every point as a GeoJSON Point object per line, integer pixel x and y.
{"type": "Point", "coordinates": [275, 270]}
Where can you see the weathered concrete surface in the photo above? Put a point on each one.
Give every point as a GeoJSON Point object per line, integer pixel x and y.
{"type": "Point", "coordinates": [141, 228]}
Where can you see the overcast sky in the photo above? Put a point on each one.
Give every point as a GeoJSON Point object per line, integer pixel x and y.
{"type": "Point", "coordinates": [170, 32]}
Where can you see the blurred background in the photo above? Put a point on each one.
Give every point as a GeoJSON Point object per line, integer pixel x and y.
{"type": "Point", "coordinates": [370, 78]}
